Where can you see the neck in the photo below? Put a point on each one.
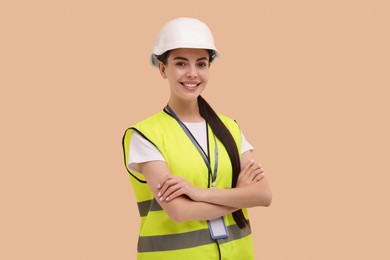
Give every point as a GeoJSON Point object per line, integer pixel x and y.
{"type": "Point", "coordinates": [186, 111]}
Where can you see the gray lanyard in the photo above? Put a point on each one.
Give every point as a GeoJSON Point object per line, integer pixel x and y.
{"type": "Point", "coordinates": [195, 143]}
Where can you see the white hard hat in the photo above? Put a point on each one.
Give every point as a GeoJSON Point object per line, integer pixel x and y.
{"type": "Point", "coordinates": [183, 33]}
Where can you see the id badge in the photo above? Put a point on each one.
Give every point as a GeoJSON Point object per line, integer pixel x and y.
{"type": "Point", "coordinates": [218, 228]}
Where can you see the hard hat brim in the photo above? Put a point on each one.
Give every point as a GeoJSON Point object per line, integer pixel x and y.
{"type": "Point", "coordinates": [154, 60]}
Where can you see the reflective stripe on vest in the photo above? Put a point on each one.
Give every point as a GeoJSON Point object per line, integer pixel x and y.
{"type": "Point", "coordinates": [188, 240]}
{"type": "Point", "coordinates": [149, 205]}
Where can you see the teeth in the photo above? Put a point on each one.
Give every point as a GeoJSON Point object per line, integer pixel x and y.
{"type": "Point", "coordinates": [190, 85]}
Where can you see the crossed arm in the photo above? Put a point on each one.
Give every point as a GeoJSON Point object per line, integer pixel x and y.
{"type": "Point", "coordinates": [183, 201]}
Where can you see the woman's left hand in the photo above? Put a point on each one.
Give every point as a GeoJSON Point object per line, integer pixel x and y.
{"type": "Point", "coordinates": [174, 186]}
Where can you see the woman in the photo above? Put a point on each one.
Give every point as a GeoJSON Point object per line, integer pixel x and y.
{"type": "Point", "coordinates": [192, 170]}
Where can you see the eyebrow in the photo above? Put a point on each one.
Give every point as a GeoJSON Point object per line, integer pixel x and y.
{"type": "Point", "coordinates": [182, 58]}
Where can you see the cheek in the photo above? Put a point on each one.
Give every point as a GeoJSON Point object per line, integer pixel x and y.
{"type": "Point", "coordinates": [174, 78]}
{"type": "Point", "coordinates": [204, 76]}
{"type": "Point", "coordinates": [176, 74]}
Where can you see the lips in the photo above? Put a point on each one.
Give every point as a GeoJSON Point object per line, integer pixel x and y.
{"type": "Point", "coordinates": [190, 84]}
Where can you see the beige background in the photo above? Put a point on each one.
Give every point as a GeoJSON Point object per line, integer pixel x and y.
{"type": "Point", "coordinates": [308, 81]}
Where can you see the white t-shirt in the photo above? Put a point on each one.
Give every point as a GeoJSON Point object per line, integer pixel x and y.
{"type": "Point", "coordinates": [141, 150]}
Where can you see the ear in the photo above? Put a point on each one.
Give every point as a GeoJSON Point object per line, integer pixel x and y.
{"type": "Point", "coordinates": [161, 68]}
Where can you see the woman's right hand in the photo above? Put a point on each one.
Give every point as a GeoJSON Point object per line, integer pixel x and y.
{"type": "Point", "coordinates": [250, 173]}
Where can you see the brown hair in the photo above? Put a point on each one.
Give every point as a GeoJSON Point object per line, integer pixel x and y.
{"type": "Point", "coordinates": [164, 57]}
{"type": "Point", "coordinates": [224, 135]}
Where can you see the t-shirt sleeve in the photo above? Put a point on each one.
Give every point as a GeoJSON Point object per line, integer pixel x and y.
{"type": "Point", "coordinates": [245, 146]}
{"type": "Point", "coordinates": [141, 150]}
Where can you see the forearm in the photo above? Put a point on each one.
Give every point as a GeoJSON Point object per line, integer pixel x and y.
{"type": "Point", "coordinates": [252, 195]}
{"type": "Point", "coordinates": [181, 208]}
{"type": "Point", "coordinates": [185, 209]}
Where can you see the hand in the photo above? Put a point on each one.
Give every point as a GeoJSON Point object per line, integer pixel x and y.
{"type": "Point", "coordinates": [251, 172]}
{"type": "Point", "coordinates": [174, 186]}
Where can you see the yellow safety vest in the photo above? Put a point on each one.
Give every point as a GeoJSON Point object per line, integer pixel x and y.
{"type": "Point", "coordinates": [162, 238]}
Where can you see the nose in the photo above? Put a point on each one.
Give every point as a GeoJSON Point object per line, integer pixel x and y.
{"type": "Point", "coordinates": [192, 72]}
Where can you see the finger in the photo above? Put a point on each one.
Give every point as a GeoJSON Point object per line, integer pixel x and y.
{"type": "Point", "coordinates": [254, 175]}
{"type": "Point", "coordinates": [246, 169]}
{"type": "Point", "coordinates": [162, 186]}
{"type": "Point", "coordinates": [167, 183]}
{"type": "Point", "coordinates": [261, 169]}
{"type": "Point", "coordinates": [171, 186]}
{"type": "Point", "coordinates": [255, 166]}
{"type": "Point", "coordinates": [257, 174]}
{"type": "Point", "coordinates": [254, 170]}
{"type": "Point", "coordinates": [244, 176]}
{"type": "Point", "coordinates": [248, 165]}
{"type": "Point", "coordinates": [169, 191]}
{"type": "Point", "coordinates": [259, 177]}
{"type": "Point", "coordinates": [175, 195]}
{"type": "Point", "coordinates": [167, 177]}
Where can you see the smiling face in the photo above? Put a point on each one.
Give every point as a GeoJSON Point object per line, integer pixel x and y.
{"type": "Point", "coordinates": [187, 71]}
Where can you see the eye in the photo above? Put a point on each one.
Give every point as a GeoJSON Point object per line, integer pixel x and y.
{"type": "Point", "coordinates": [180, 64]}
{"type": "Point", "coordinates": [202, 64]}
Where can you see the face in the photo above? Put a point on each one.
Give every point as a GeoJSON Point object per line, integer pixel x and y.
{"type": "Point", "coordinates": [187, 71]}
